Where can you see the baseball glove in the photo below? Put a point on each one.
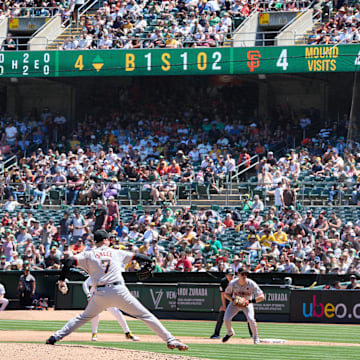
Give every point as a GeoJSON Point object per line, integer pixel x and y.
{"type": "Point", "coordinates": [62, 287]}
{"type": "Point", "coordinates": [240, 301]}
{"type": "Point", "coordinates": [145, 271]}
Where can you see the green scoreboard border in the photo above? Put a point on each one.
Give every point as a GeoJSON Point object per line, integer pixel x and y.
{"type": "Point", "coordinates": [187, 61]}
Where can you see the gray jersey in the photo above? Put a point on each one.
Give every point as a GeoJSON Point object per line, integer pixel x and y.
{"type": "Point", "coordinates": [248, 291]}
{"type": "Point", "coordinates": [2, 289]}
{"type": "Point", "coordinates": [104, 264]}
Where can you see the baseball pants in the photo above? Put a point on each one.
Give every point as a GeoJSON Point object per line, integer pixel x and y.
{"type": "Point", "coordinates": [115, 296]}
{"type": "Point", "coordinates": [232, 310]}
{"type": "Point", "coordinates": [117, 315]}
{"type": "Point", "coordinates": [4, 303]}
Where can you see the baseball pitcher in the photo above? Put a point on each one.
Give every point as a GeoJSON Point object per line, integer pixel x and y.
{"type": "Point", "coordinates": [104, 265]}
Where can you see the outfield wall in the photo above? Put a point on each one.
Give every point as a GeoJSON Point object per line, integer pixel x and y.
{"type": "Point", "coordinates": [197, 296]}
{"type": "Point", "coordinates": [46, 279]}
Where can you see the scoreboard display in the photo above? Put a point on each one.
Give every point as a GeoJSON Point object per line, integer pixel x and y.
{"type": "Point", "coordinates": [187, 61]}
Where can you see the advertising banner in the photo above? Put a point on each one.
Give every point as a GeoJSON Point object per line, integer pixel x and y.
{"type": "Point", "coordinates": [156, 297]}
{"type": "Point", "coordinates": [277, 300]}
{"type": "Point", "coordinates": [203, 297]}
{"type": "Point", "coordinates": [198, 297]}
{"type": "Point", "coordinates": [325, 306]}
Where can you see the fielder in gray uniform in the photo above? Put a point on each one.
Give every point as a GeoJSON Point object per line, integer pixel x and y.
{"type": "Point", "coordinates": [248, 289]}
{"type": "Point", "coordinates": [89, 290]}
{"type": "Point", "coordinates": [104, 265]}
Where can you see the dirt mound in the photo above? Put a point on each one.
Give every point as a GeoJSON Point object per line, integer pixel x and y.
{"type": "Point", "coordinates": [63, 352]}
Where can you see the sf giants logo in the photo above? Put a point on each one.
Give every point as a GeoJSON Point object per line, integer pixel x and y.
{"type": "Point", "coordinates": [253, 56]}
{"type": "Point", "coordinates": [156, 298]}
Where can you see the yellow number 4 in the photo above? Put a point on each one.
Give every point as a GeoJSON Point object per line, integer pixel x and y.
{"type": "Point", "coordinates": [79, 63]}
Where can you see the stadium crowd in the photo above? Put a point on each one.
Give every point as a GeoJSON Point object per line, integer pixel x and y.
{"type": "Point", "coordinates": [168, 24]}
{"type": "Point", "coordinates": [159, 154]}
{"type": "Point", "coordinates": [343, 27]}
{"type": "Point", "coordinates": [31, 8]}
{"type": "Point", "coordinates": [185, 240]}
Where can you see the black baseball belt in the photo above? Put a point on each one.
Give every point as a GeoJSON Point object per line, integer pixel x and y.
{"type": "Point", "coordinates": [111, 284]}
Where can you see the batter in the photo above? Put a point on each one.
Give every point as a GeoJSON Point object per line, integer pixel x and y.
{"type": "Point", "coordinates": [248, 289]}
{"type": "Point", "coordinates": [104, 265]}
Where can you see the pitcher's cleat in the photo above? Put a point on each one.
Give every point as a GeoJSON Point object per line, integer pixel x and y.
{"type": "Point", "coordinates": [256, 341]}
{"type": "Point", "coordinates": [51, 340]}
{"type": "Point", "coordinates": [215, 336]}
{"type": "Point", "coordinates": [94, 337]}
{"type": "Point", "coordinates": [226, 338]}
{"type": "Point", "coordinates": [132, 337]}
{"type": "Point", "coordinates": [172, 344]}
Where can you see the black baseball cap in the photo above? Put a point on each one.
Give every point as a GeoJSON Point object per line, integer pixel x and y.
{"type": "Point", "coordinates": [243, 271]}
{"type": "Point", "coordinates": [100, 235]}
{"type": "Point", "coordinates": [230, 271]}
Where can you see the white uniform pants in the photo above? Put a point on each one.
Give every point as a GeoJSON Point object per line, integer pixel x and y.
{"type": "Point", "coordinates": [118, 316]}
{"type": "Point", "coordinates": [4, 303]}
{"type": "Point", "coordinates": [115, 296]}
{"type": "Point", "coordinates": [232, 310]}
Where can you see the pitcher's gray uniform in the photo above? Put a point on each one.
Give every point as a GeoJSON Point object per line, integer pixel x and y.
{"type": "Point", "coordinates": [89, 290]}
{"type": "Point", "coordinates": [104, 265]}
{"type": "Point", "coordinates": [248, 291]}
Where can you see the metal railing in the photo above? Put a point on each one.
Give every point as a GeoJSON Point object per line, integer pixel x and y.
{"type": "Point", "coordinates": [310, 193]}
{"type": "Point", "coordinates": [8, 163]}
{"type": "Point", "coordinates": [142, 41]}
{"type": "Point", "coordinates": [83, 9]}
{"type": "Point", "coordinates": [26, 12]}
{"type": "Point", "coordinates": [296, 5]}
{"type": "Point", "coordinates": [252, 162]}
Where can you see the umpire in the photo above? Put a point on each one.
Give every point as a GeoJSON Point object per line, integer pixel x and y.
{"type": "Point", "coordinates": [229, 275]}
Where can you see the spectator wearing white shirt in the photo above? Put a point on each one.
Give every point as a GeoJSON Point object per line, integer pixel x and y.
{"type": "Point", "coordinates": [227, 20]}
{"type": "Point", "coordinates": [230, 164]}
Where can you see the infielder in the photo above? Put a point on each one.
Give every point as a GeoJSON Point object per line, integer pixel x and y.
{"type": "Point", "coordinates": [89, 290]}
{"type": "Point", "coordinates": [104, 266]}
{"type": "Point", "coordinates": [242, 294]}
{"type": "Point", "coordinates": [3, 301]}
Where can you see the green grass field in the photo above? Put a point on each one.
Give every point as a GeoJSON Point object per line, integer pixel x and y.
{"type": "Point", "coordinates": [312, 332]}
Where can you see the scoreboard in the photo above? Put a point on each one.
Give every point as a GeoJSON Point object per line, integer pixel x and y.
{"type": "Point", "coordinates": [187, 61]}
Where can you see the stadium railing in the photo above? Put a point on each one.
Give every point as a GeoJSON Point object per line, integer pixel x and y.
{"type": "Point", "coordinates": [8, 163]}
{"type": "Point", "coordinates": [311, 192]}
{"type": "Point", "coordinates": [24, 12]}
{"type": "Point", "coordinates": [297, 5]}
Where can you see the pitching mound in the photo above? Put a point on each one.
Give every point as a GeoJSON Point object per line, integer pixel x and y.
{"type": "Point", "coordinates": [63, 352]}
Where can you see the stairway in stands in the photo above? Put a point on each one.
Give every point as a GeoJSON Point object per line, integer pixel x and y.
{"type": "Point", "coordinates": [303, 39]}
{"type": "Point", "coordinates": [73, 30]}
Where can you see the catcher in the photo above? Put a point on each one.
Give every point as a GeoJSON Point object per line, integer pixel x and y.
{"type": "Point", "coordinates": [242, 294]}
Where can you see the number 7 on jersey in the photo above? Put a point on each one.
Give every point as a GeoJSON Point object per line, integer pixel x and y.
{"type": "Point", "coordinates": [106, 264]}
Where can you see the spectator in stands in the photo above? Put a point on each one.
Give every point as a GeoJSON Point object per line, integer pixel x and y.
{"type": "Point", "coordinates": [52, 261]}
{"type": "Point", "coordinates": [9, 43]}
{"type": "Point", "coordinates": [101, 215]}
